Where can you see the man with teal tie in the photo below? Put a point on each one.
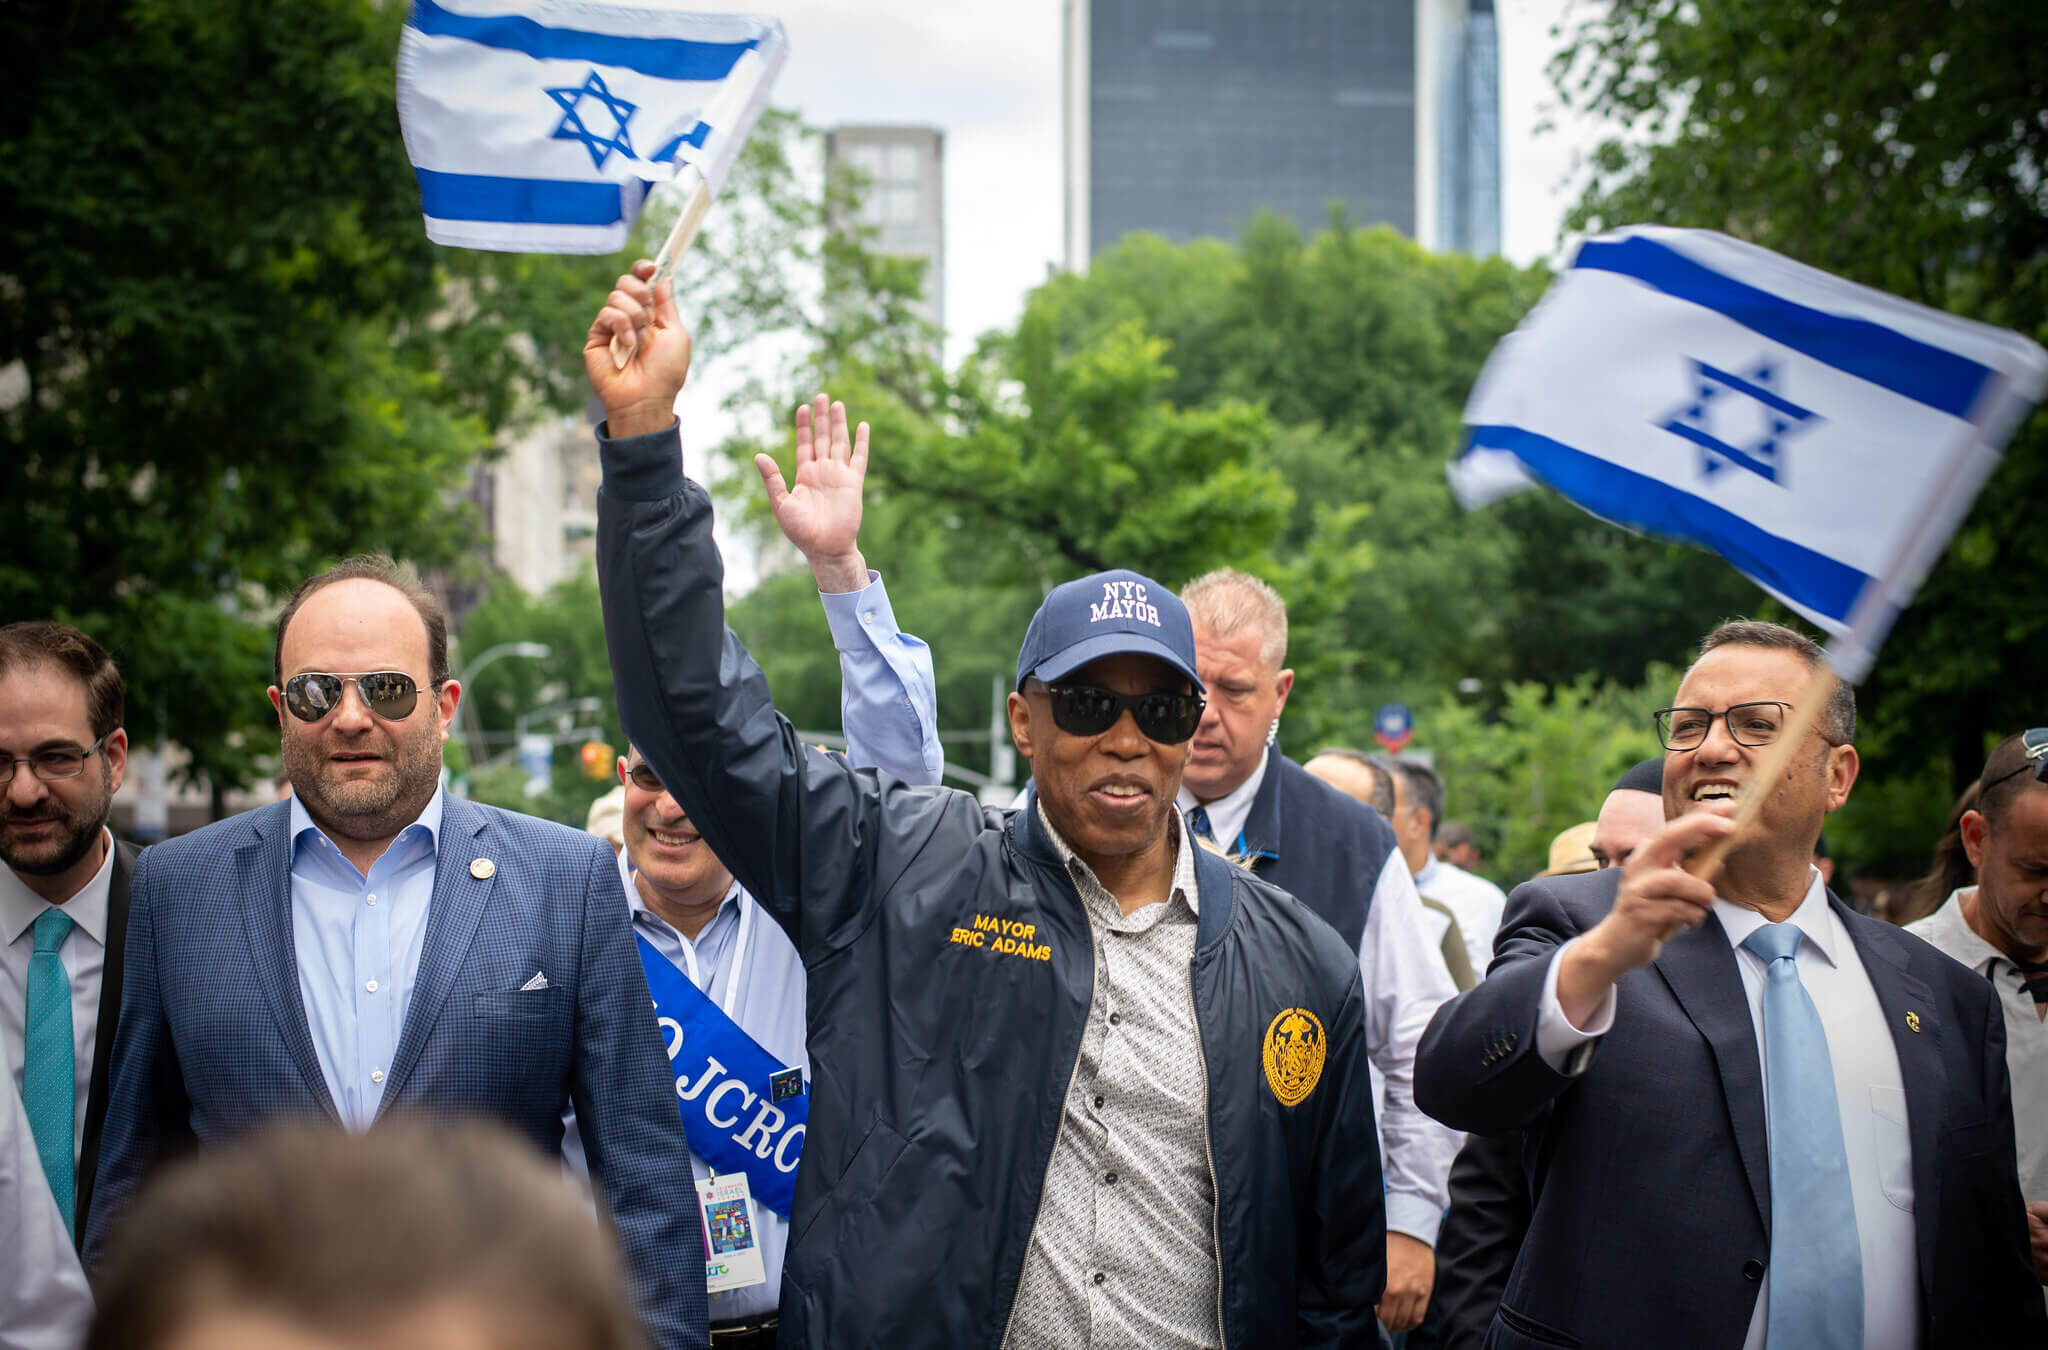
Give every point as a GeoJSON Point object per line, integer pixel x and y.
{"type": "Point", "coordinates": [1763, 1120]}
{"type": "Point", "coordinates": [64, 893]}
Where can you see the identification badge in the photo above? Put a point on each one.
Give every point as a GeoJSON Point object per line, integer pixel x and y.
{"type": "Point", "coordinates": [732, 1239]}
{"type": "Point", "coordinates": [785, 1084]}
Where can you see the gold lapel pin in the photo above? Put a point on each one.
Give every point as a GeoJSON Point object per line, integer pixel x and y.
{"type": "Point", "coordinates": [482, 869]}
{"type": "Point", "coordinates": [1912, 1020]}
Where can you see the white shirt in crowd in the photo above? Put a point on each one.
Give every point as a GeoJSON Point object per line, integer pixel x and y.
{"type": "Point", "coordinates": [1869, 1092]}
{"type": "Point", "coordinates": [1473, 901]}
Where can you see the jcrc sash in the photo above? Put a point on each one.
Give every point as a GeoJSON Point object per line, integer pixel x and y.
{"type": "Point", "coordinates": [723, 1088]}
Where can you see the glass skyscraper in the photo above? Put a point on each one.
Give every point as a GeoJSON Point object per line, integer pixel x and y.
{"type": "Point", "coordinates": [1185, 117]}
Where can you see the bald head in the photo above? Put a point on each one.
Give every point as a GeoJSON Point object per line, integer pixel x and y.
{"type": "Point", "coordinates": [1628, 817]}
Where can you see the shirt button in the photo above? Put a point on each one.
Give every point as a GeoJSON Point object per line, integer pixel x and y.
{"type": "Point", "coordinates": [1098, 1101]}
{"type": "Point", "coordinates": [1752, 1269]}
{"type": "Point", "coordinates": [1109, 1178]}
{"type": "Point", "coordinates": [1100, 1277]}
{"type": "Point", "coordinates": [371, 986]}
{"type": "Point", "coordinates": [376, 1075]}
{"type": "Point", "coordinates": [867, 616]}
{"type": "Point", "coordinates": [1115, 1018]}
{"type": "Point", "coordinates": [373, 900]}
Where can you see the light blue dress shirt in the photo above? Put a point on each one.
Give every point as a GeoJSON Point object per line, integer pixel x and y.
{"type": "Point", "coordinates": [358, 941]}
{"type": "Point", "coordinates": [888, 698]}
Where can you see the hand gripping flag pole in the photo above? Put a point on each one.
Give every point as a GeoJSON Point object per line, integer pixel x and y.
{"type": "Point", "coordinates": [680, 236]}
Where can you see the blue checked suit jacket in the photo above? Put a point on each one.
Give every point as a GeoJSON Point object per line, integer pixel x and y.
{"type": "Point", "coordinates": [213, 1039]}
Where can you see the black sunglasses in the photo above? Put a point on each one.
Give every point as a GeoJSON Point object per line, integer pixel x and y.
{"type": "Point", "coordinates": [390, 694]}
{"type": "Point", "coordinates": [2034, 744]}
{"type": "Point", "coordinates": [1090, 710]}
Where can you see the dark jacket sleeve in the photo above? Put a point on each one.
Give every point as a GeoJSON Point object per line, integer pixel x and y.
{"type": "Point", "coordinates": [1342, 1234]}
{"type": "Point", "coordinates": [148, 1113]}
{"type": "Point", "coordinates": [804, 832]}
{"type": "Point", "coordinates": [1481, 1237]}
{"type": "Point", "coordinates": [1477, 1067]}
{"type": "Point", "coordinates": [625, 1102]}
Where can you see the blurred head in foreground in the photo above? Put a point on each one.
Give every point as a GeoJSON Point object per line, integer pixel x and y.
{"type": "Point", "coordinates": [412, 1237]}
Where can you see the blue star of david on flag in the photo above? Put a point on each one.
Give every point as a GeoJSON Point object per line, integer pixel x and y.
{"type": "Point", "coordinates": [1739, 405]}
{"type": "Point", "coordinates": [572, 127]}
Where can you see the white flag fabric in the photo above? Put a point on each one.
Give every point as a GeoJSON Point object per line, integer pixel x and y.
{"type": "Point", "coordinates": [1825, 438]}
{"type": "Point", "coordinates": [537, 126]}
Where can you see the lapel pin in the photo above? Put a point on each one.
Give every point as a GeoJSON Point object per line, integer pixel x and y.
{"type": "Point", "coordinates": [1912, 1020]}
{"type": "Point", "coordinates": [482, 869]}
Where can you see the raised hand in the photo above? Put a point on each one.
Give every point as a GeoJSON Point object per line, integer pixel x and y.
{"type": "Point", "coordinates": [641, 397]}
{"type": "Point", "coordinates": [821, 513]}
{"type": "Point", "coordinates": [1656, 899]}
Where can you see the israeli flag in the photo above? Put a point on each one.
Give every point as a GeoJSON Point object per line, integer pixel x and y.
{"type": "Point", "coordinates": [1825, 438]}
{"type": "Point", "coordinates": [537, 126]}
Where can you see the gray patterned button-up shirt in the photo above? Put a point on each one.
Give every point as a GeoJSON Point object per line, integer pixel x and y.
{"type": "Point", "coordinates": [1124, 1249]}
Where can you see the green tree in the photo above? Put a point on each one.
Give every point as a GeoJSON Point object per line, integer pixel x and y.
{"type": "Point", "coordinates": [1898, 143]}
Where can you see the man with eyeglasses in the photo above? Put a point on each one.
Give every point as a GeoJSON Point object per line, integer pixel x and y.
{"type": "Point", "coordinates": [1077, 1082]}
{"type": "Point", "coordinates": [1764, 1120]}
{"type": "Point", "coordinates": [63, 920]}
{"type": "Point", "coordinates": [1999, 928]}
{"type": "Point", "coordinates": [373, 947]}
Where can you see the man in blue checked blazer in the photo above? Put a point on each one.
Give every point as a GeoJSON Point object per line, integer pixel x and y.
{"type": "Point", "coordinates": [373, 947]}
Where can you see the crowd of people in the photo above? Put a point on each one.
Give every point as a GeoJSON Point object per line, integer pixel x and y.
{"type": "Point", "coordinates": [1193, 1046]}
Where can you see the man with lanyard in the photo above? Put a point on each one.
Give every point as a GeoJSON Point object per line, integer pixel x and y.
{"type": "Point", "coordinates": [728, 988]}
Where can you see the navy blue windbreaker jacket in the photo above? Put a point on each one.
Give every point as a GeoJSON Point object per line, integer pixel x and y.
{"type": "Point", "coordinates": [940, 1067]}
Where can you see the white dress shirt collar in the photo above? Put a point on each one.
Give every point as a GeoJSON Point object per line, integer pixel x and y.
{"type": "Point", "coordinates": [1947, 929]}
{"type": "Point", "coordinates": [20, 907]}
{"type": "Point", "coordinates": [1814, 918]}
{"type": "Point", "coordinates": [1228, 813]}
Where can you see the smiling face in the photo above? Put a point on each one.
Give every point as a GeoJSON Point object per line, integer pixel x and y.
{"type": "Point", "coordinates": [1246, 694]}
{"type": "Point", "coordinates": [1108, 795]}
{"type": "Point", "coordinates": [2011, 858]}
{"type": "Point", "coordinates": [671, 858]}
{"type": "Point", "coordinates": [1711, 776]}
{"type": "Point", "coordinates": [50, 831]}
{"type": "Point", "coordinates": [362, 778]}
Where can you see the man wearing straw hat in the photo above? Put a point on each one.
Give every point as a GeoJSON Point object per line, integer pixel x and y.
{"type": "Point", "coordinates": [1767, 1121]}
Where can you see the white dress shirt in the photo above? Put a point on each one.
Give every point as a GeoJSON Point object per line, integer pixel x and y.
{"type": "Point", "coordinates": [1869, 1092]}
{"type": "Point", "coordinates": [1227, 813]}
{"type": "Point", "coordinates": [1473, 901]}
{"type": "Point", "coordinates": [2026, 1035]}
{"type": "Point", "coordinates": [84, 955]}
{"type": "Point", "coordinates": [43, 1300]}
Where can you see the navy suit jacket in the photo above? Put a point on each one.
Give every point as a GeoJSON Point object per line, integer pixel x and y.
{"type": "Point", "coordinates": [1650, 1170]}
{"type": "Point", "coordinates": [1320, 846]}
{"type": "Point", "coordinates": [213, 1039]}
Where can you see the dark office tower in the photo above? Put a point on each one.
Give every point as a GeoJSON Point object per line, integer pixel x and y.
{"type": "Point", "coordinates": [1185, 117]}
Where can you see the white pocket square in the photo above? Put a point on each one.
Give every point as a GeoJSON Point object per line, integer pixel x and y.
{"type": "Point", "coordinates": [539, 981]}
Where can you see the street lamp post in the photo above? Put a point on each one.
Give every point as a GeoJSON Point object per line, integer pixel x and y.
{"type": "Point", "coordinates": [472, 733]}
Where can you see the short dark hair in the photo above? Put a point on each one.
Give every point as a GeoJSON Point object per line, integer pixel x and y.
{"type": "Point", "coordinates": [2007, 773]}
{"type": "Point", "coordinates": [339, 1232]}
{"type": "Point", "coordinates": [1838, 720]}
{"type": "Point", "coordinates": [400, 578]}
{"type": "Point", "coordinates": [1643, 776]}
{"type": "Point", "coordinates": [39, 642]}
{"type": "Point", "coordinates": [1382, 781]}
{"type": "Point", "coordinates": [1425, 789]}
{"type": "Point", "coordinates": [1452, 833]}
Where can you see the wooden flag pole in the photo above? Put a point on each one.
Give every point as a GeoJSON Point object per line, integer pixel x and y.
{"type": "Point", "coordinates": [1706, 864]}
{"type": "Point", "coordinates": [680, 237]}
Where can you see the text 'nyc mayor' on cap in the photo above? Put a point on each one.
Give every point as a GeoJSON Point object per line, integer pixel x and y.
{"type": "Point", "coordinates": [1103, 615]}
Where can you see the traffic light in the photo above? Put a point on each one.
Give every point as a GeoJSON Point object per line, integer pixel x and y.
{"type": "Point", "coordinates": [598, 758]}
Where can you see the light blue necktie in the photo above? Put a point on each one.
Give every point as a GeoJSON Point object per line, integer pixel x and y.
{"type": "Point", "coordinates": [1816, 1296]}
{"type": "Point", "coordinates": [49, 1086]}
{"type": "Point", "coordinates": [1198, 821]}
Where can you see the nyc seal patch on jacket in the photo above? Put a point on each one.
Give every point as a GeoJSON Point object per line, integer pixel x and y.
{"type": "Point", "coordinates": [1294, 1055]}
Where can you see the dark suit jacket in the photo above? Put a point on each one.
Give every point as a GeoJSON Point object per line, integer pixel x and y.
{"type": "Point", "coordinates": [1650, 1169]}
{"type": "Point", "coordinates": [104, 1027]}
{"type": "Point", "coordinates": [214, 1038]}
{"type": "Point", "coordinates": [1320, 846]}
{"type": "Point", "coordinates": [1478, 1243]}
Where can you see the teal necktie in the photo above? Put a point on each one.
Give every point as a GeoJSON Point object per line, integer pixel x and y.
{"type": "Point", "coordinates": [1816, 1297]}
{"type": "Point", "coordinates": [49, 1085]}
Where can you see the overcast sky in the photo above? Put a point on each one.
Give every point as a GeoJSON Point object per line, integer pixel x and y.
{"type": "Point", "coordinates": [988, 75]}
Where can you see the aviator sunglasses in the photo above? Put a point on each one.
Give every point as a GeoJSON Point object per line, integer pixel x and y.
{"type": "Point", "coordinates": [390, 694]}
{"type": "Point", "coordinates": [1090, 710]}
{"type": "Point", "coordinates": [2034, 745]}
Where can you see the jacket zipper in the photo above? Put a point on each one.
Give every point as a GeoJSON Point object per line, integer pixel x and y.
{"type": "Point", "coordinates": [1209, 1153]}
{"type": "Point", "coordinates": [1059, 1132]}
